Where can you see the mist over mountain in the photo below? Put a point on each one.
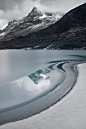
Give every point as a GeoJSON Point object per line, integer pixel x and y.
{"type": "Point", "coordinates": [69, 32]}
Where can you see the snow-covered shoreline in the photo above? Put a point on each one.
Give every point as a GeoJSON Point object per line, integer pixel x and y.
{"type": "Point", "coordinates": [69, 113]}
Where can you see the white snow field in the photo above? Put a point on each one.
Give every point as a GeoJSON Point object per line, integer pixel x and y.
{"type": "Point", "coordinates": [69, 113]}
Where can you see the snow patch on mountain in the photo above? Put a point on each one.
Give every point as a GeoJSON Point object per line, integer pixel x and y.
{"type": "Point", "coordinates": [2, 34]}
{"type": "Point", "coordinates": [44, 16]}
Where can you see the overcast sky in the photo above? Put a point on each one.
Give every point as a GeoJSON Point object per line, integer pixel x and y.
{"type": "Point", "coordinates": [16, 9]}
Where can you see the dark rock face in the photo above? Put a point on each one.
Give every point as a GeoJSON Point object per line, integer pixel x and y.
{"type": "Point", "coordinates": [67, 33]}
{"type": "Point", "coordinates": [74, 19]}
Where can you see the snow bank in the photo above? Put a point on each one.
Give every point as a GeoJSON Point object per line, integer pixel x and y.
{"type": "Point", "coordinates": [69, 113]}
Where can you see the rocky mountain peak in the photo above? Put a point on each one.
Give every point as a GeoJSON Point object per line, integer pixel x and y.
{"type": "Point", "coordinates": [35, 12]}
{"type": "Point", "coordinates": [33, 22]}
{"type": "Point", "coordinates": [34, 9]}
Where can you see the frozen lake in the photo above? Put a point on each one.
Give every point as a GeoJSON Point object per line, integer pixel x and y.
{"type": "Point", "coordinates": [30, 78]}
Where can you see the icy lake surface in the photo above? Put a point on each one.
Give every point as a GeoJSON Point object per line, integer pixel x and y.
{"type": "Point", "coordinates": [29, 75]}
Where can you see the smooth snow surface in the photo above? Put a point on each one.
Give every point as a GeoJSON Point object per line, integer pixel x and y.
{"type": "Point", "coordinates": [69, 113]}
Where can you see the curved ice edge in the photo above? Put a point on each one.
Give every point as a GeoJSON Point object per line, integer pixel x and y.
{"type": "Point", "coordinates": [50, 99]}
{"type": "Point", "coordinates": [41, 94]}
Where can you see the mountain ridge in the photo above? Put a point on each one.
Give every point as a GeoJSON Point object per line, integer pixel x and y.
{"type": "Point", "coordinates": [34, 21]}
{"type": "Point", "coordinates": [69, 32]}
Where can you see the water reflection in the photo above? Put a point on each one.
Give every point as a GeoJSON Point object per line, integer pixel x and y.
{"type": "Point", "coordinates": [18, 64]}
{"type": "Point", "coordinates": [25, 89]}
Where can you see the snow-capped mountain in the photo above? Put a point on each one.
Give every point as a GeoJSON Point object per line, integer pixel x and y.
{"type": "Point", "coordinates": [33, 22]}
{"type": "Point", "coordinates": [67, 33]}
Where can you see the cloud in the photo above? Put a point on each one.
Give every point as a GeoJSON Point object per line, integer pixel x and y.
{"type": "Point", "coordinates": [48, 5]}
{"type": "Point", "coordinates": [61, 5]}
{"type": "Point", "coordinates": [9, 4]}
{"type": "Point", "coordinates": [27, 84]}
